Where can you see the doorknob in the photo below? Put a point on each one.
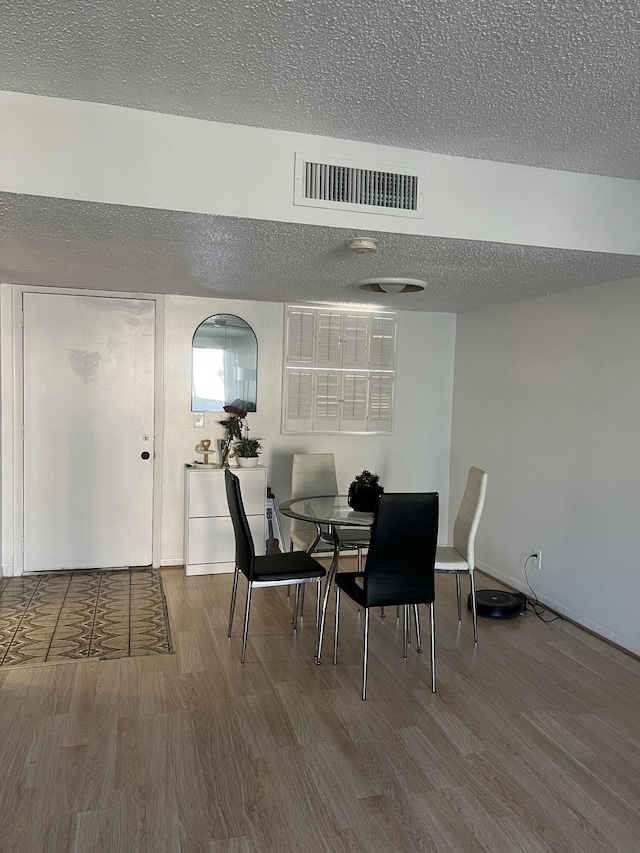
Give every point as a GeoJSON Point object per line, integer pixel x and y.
{"type": "Point", "coordinates": [145, 454]}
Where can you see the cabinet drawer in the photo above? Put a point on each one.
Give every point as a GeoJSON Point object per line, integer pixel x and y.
{"type": "Point", "coordinates": [211, 540]}
{"type": "Point", "coordinates": [207, 495]}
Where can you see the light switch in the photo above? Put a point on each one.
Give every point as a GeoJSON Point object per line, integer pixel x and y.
{"type": "Point", "coordinates": [198, 420]}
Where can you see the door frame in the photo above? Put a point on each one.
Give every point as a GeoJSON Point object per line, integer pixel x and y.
{"type": "Point", "coordinates": [12, 445]}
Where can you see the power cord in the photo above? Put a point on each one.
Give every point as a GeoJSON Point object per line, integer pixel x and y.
{"type": "Point", "coordinates": [535, 606]}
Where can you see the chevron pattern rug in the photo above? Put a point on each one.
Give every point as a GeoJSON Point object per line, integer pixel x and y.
{"type": "Point", "coordinates": [60, 617]}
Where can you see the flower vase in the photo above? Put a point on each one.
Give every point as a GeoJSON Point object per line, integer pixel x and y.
{"type": "Point", "coordinates": [363, 498]}
{"type": "Point", "coordinates": [247, 461]}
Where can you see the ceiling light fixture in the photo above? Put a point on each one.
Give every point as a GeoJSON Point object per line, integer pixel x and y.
{"type": "Point", "coordinates": [392, 285]}
{"type": "Point", "coordinates": [362, 245]}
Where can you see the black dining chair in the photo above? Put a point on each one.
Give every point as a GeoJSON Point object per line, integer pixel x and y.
{"type": "Point", "coordinates": [400, 567]}
{"type": "Point", "coordinates": [295, 567]}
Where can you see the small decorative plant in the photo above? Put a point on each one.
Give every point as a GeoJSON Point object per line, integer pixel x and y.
{"type": "Point", "coordinates": [364, 492]}
{"type": "Point", "coordinates": [247, 447]}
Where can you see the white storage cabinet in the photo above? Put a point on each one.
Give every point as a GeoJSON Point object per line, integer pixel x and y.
{"type": "Point", "coordinates": [209, 541]}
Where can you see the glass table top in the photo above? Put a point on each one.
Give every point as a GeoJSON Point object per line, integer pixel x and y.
{"type": "Point", "coordinates": [326, 509]}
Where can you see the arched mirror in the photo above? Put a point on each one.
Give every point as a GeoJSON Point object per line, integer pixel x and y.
{"type": "Point", "coordinates": [224, 365]}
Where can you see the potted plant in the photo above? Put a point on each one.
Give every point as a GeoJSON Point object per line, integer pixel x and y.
{"type": "Point", "coordinates": [364, 492]}
{"type": "Point", "coordinates": [233, 429]}
{"type": "Point", "coordinates": [246, 450]}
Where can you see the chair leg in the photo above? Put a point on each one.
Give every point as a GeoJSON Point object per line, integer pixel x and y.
{"type": "Point", "coordinates": [459, 596]}
{"type": "Point", "coordinates": [432, 623]}
{"type": "Point", "coordinates": [472, 583]}
{"type": "Point", "coordinates": [296, 605]}
{"type": "Point", "coordinates": [335, 626]}
{"type": "Point", "coordinates": [301, 609]}
{"type": "Point", "coordinates": [318, 597]}
{"type": "Point", "coordinates": [246, 620]}
{"type": "Point", "coordinates": [405, 631]}
{"type": "Point", "coordinates": [233, 599]}
{"type": "Point", "coordinates": [418, 637]}
{"type": "Point", "coordinates": [365, 654]}
{"type": "Point", "coordinates": [382, 612]}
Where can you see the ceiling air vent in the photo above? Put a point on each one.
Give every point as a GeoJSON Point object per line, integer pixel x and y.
{"type": "Point", "coordinates": [368, 188]}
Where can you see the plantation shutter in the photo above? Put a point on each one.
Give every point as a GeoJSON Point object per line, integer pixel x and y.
{"type": "Point", "coordinates": [356, 340]}
{"type": "Point", "coordinates": [301, 336]}
{"type": "Point", "coordinates": [329, 346]}
{"type": "Point", "coordinates": [298, 401]}
{"type": "Point", "coordinates": [338, 370]}
{"type": "Point", "coordinates": [380, 402]}
{"type": "Point", "coordinates": [354, 401]}
{"type": "Point", "coordinates": [383, 344]}
{"type": "Point", "coordinates": [327, 400]}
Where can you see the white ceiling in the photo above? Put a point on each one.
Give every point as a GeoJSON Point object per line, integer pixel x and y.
{"type": "Point", "coordinates": [78, 244]}
{"type": "Point", "coordinates": [542, 84]}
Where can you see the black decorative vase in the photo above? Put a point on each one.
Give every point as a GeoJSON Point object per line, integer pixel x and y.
{"type": "Point", "coordinates": [363, 498]}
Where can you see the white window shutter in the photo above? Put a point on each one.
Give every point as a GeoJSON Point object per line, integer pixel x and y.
{"type": "Point", "coordinates": [327, 400]}
{"type": "Point", "coordinates": [300, 336]}
{"type": "Point", "coordinates": [298, 415]}
{"type": "Point", "coordinates": [383, 343]}
{"type": "Point", "coordinates": [329, 345]}
{"type": "Point", "coordinates": [356, 340]}
{"type": "Point", "coordinates": [354, 401]}
{"type": "Point", "coordinates": [380, 402]}
{"type": "Point", "coordinates": [339, 370]}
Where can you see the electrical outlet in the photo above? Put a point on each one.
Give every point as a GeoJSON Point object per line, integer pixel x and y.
{"type": "Point", "coordinates": [198, 420]}
{"type": "Point", "coordinates": [537, 559]}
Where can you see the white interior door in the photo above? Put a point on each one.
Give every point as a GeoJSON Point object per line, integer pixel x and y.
{"type": "Point", "coordinates": [88, 397]}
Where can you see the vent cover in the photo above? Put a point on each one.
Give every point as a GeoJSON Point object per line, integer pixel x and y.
{"type": "Point", "coordinates": [369, 188]}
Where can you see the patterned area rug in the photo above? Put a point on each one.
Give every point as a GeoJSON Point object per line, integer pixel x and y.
{"type": "Point", "coordinates": [67, 616]}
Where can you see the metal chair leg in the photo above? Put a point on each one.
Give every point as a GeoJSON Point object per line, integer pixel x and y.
{"type": "Point", "coordinates": [405, 631]}
{"type": "Point", "coordinates": [296, 604]}
{"type": "Point", "coordinates": [233, 600]}
{"type": "Point", "coordinates": [432, 624]}
{"type": "Point", "coordinates": [474, 608]}
{"type": "Point", "coordinates": [318, 597]}
{"type": "Point", "coordinates": [418, 637]}
{"type": "Point", "coordinates": [459, 596]}
{"type": "Point", "coordinates": [335, 626]}
{"type": "Point", "coordinates": [365, 655]}
{"type": "Point", "coordinates": [333, 568]}
{"type": "Point", "coordinates": [246, 620]}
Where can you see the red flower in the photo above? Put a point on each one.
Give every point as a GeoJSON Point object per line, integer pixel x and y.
{"type": "Point", "coordinates": [234, 410]}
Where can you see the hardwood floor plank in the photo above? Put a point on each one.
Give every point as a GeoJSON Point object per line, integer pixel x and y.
{"type": "Point", "coordinates": [530, 745]}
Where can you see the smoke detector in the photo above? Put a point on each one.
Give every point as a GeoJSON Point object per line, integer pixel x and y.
{"type": "Point", "coordinates": [362, 245]}
{"type": "Point", "coordinates": [391, 285]}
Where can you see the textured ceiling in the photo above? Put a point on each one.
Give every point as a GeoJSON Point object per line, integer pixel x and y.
{"type": "Point", "coordinates": [540, 83]}
{"type": "Point", "coordinates": [551, 84]}
{"type": "Point", "coordinates": [78, 244]}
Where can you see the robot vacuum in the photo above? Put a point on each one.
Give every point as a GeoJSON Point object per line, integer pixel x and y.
{"type": "Point", "coordinates": [498, 603]}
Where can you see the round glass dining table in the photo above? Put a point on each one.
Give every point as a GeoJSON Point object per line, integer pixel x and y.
{"type": "Point", "coordinates": [327, 513]}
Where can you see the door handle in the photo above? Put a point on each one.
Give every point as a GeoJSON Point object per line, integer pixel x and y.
{"type": "Point", "coordinates": [145, 454]}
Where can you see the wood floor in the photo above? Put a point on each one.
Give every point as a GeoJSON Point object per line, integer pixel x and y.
{"type": "Point", "coordinates": [532, 742]}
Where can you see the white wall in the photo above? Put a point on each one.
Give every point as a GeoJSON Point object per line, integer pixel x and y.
{"type": "Point", "coordinates": [415, 457]}
{"type": "Point", "coordinates": [116, 155]}
{"type": "Point", "coordinates": [546, 399]}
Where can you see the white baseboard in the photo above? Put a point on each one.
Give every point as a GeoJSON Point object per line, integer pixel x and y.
{"type": "Point", "coordinates": [558, 607]}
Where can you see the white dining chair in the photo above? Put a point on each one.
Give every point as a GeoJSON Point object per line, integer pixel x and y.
{"type": "Point", "coordinates": [459, 558]}
{"type": "Point", "coordinates": [314, 474]}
